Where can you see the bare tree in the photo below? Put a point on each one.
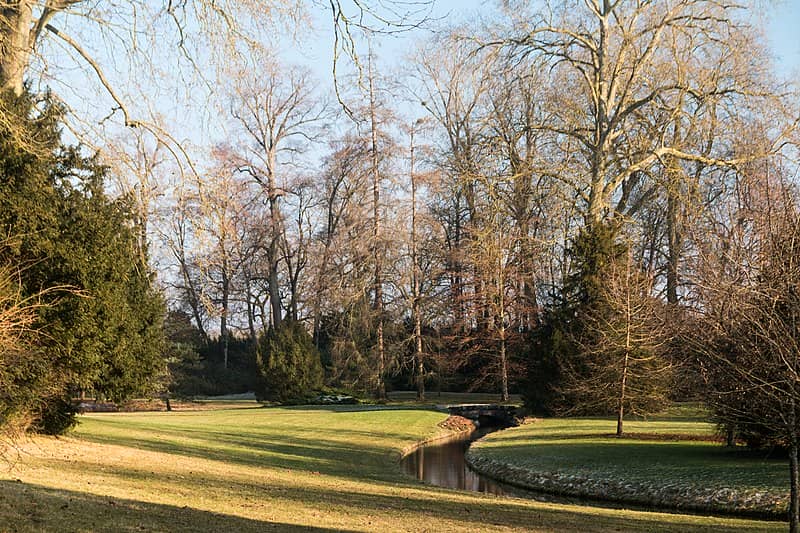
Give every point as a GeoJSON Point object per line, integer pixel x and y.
{"type": "Point", "coordinates": [746, 332]}
{"type": "Point", "coordinates": [377, 234]}
{"type": "Point", "coordinates": [341, 186]}
{"type": "Point", "coordinates": [222, 205]}
{"type": "Point", "coordinates": [296, 245]}
{"type": "Point", "coordinates": [277, 112]}
{"type": "Point", "coordinates": [623, 75]}
{"type": "Point", "coordinates": [134, 164]}
{"type": "Point", "coordinates": [452, 84]}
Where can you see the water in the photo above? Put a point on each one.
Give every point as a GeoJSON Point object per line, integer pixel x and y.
{"type": "Point", "coordinates": [444, 465]}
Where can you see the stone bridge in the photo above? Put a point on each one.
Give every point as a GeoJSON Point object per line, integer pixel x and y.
{"type": "Point", "coordinates": [487, 414]}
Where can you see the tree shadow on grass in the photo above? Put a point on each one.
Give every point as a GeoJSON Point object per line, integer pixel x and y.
{"type": "Point", "coordinates": [32, 508]}
{"type": "Point", "coordinates": [247, 449]}
{"type": "Point", "coordinates": [29, 508]}
{"type": "Point", "coordinates": [359, 453]}
{"type": "Point", "coordinates": [387, 493]}
{"type": "Point", "coordinates": [416, 504]}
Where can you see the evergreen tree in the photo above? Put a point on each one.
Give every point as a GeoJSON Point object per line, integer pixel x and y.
{"type": "Point", "coordinates": [553, 345]}
{"type": "Point", "coordinates": [103, 328]}
{"type": "Point", "coordinates": [289, 364]}
{"type": "Point", "coordinates": [602, 350]}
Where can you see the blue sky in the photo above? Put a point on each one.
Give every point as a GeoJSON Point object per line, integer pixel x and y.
{"type": "Point", "coordinates": [782, 26]}
{"type": "Point", "coordinates": [784, 33]}
{"type": "Point", "coordinates": [313, 49]}
{"type": "Point", "coordinates": [780, 19]}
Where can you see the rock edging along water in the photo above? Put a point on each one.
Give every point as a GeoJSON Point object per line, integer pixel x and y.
{"type": "Point", "coordinates": [667, 496]}
{"type": "Point", "coordinates": [456, 426]}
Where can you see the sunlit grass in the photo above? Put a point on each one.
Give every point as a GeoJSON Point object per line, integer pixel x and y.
{"type": "Point", "coordinates": [291, 469]}
{"type": "Point", "coordinates": [657, 454]}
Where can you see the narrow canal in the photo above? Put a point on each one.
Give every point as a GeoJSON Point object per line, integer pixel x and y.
{"type": "Point", "coordinates": [444, 464]}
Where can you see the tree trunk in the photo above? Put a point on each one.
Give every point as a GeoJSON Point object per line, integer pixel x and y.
{"type": "Point", "coordinates": [376, 240]}
{"type": "Point", "coordinates": [500, 317]}
{"type": "Point", "coordinates": [597, 192]}
{"type": "Point", "coordinates": [223, 323]}
{"type": "Point", "coordinates": [15, 45]}
{"type": "Point", "coordinates": [274, 289]}
{"type": "Point", "coordinates": [415, 282]}
{"type": "Point", "coordinates": [276, 227]}
{"type": "Point", "coordinates": [503, 365]}
{"type": "Point", "coordinates": [794, 473]}
{"type": "Point", "coordinates": [251, 308]}
{"type": "Point", "coordinates": [420, 364]}
{"type": "Point", "coordinates": [621, 403]}
{"type": "Point", "coordinates": [323, 268]}
{"type": "Point", "coordinates": [673, 231]}
{"type": "Point", "coordinates": [730, 435]}
{"type": "Point", "coordinates": [628, 346]}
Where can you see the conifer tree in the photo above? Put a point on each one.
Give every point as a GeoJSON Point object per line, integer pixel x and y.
{"type": "Point", "coordinates": [100, 316]}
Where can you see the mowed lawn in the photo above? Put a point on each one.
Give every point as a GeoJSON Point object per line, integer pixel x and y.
{"type": "Point", "coordinates": [655, 456]}
{"type": "Point", "coordinates": [257, 469]}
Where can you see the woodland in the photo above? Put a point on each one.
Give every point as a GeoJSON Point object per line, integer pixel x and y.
{"type": "Point", "coordinates": [591, 203]}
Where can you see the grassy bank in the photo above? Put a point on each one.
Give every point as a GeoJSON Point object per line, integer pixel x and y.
{"type": "Point", "coordinates": [254, 469]}
{"type": "Point", "coordinates": [662, 462]}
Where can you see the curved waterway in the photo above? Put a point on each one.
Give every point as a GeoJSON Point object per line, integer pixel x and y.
{"type": "Point", "coordinates": [444, 464]}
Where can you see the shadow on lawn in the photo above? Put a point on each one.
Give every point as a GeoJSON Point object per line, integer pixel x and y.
{"type": "Point", "coordinates": [25, 507]}
{"type": "Point", "coordinates": [354, 452]}
{"type": "Point", "coordinates": [349, 455]}
{"type": "Point", "coordinates": [653, 462]}
{"type": "Point", "coordinates": [317, 454]}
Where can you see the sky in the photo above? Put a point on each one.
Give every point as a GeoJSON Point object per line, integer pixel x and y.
{"type": "Point", "coordinates": [780, 19]}
{"type": "Point", "coordinates": [783, 29]}
{"type": "Point", "coordinates": [313, 49]}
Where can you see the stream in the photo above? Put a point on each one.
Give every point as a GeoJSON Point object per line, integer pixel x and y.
{"type": "Point", "coordinates": [443, 464]}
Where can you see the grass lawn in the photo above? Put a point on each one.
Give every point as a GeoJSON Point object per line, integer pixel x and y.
{"type": "Point", "coordinates": [256, 469]}
{"type": "Point", "coordinates": [584, 452]}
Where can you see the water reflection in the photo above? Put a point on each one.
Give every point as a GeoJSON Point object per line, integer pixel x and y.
{"type": "Point", "coordinates": [445, 465]}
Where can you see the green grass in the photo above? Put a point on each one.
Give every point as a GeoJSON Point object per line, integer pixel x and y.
{"type": "Point", "coordinates": [256, 469]}
{"type": "Point", "coordinates": [587, 450]}
{"type": "Point", "coordinates": [683, 412]}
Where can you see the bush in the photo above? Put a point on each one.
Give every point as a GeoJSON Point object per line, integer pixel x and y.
{"type": "Point", "coordinates": [56, 416]}
{"type": "Point", "coordinates": [289, 364]}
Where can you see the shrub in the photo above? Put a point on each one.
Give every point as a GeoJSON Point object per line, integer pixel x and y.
{"type": "Point", "coordinates": [289, 364]}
